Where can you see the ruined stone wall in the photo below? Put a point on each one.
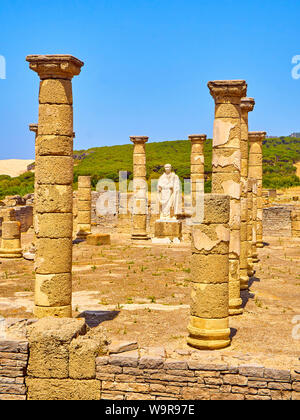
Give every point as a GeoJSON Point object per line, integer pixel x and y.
{"type": "Point", "coordinates": [24, 215]}
{"type": "Point", "coordinates": [277, 221]}
{"type": "Point", "coordinates": [74, 372]}
{"type": "Point", "coordinates": [13, 366]}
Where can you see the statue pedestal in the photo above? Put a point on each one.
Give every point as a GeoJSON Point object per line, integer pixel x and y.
{"type": "Point", "coordinates": [168, 228]}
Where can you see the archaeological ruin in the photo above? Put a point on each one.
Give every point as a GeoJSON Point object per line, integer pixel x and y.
{"type": "Point", "coordinates": [165, 298]}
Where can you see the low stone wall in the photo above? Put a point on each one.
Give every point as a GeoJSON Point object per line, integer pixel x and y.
{"type": "Point", "coordinates": [62, 362]}
{"type": "Point", "coordinates": [133, 377]}
{"type": "Point", "coordinates": [24, 215]}
{"type": "Point", "coordinates": [13, 367]}
{"type": "Point", "coordinates": [277, 221]}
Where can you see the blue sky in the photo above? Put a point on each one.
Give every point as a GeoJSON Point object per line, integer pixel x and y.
{"type": "Point", "coordinates": [147, 64]}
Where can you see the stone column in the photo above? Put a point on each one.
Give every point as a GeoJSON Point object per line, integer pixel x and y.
{"type": "Point", "coordinates": [139, 231]}
{"type": "Point", "coordinates": [254, 217]}
{"type": "Point", "coordinates": [34, 129]}
{"type": "Point", "coordinates": [250, 226]}
{"type": "Point", "coordinates": [247, 105]}
{"type": "Point", "coordinates": [209, 322]}
{"type": "Point", "coordinates": [256, 172]}
{"type": "Point", "coordinates": [11, 236]}
{"type": "Point", "coordinates": [54, 178]}
{"type": "Point", "coordinates": [84, 207]}
{"type": "Point", "coordinates": [197, 165]}
{"type": "Point", "coordinates": [226, 177]}
{"type": "Point", "coordinates": [295, 216]}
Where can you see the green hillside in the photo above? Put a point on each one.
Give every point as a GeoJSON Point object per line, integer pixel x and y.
{"type": "Point", "coordinates": [279, 155]}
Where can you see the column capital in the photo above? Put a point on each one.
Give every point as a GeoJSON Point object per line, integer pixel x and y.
{"type": "Point", "coordinates": [139, 139]}
{"type": "Point", "coordinates": [247, 104]}
{"type": "Point", "coordinates": [256, 136]}
{"type": "Point", "coordinates": [225, 89]}
{"type": "Point", "coordinates": [197, 138]}
{"type": "Point", "coordinates": [57, 66]}
{"type": "Point", "coordinates": [33, 127]}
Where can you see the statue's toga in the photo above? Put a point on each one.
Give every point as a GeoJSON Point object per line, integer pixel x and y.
{"type": "Point", "coordinates": [168, 188]}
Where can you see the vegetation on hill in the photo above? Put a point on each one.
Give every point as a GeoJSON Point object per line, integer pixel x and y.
{"type": "Point", "coordinates": [279, 156]}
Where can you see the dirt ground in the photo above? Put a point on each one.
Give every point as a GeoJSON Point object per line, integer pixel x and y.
{"type": "Point", "coordinates": [142, 292]}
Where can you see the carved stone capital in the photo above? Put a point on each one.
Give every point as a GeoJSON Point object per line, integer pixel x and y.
{"type": "Point", "coordinates": [55, 66]}
{"type": "Point", "coordinates": [227, 90]}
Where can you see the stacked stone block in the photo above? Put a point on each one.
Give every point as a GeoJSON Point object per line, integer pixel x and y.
{"type": "Point", "coordinates": [13, 365]}
{"type": "Point", "coordinates": [54, 178]}
{"type": "Point", "coordinates": [226, 177]}
{"type": "Point", "coordinates": [197, 165]}
{"type": "Point", "coordinates": [247, 105]}
{"type": "Point", "coordinates": [84, 207]}
{"type": "Point", "coordinates": [140, 206]}
{"type": "Point", "coordinates": [256, 172]}
{"type": "Point", "coordinates": [254, 221]}
{"type": "Point", "coordinates": [209, 322]}
{"type": "Point", "coordinates": [11, 236]}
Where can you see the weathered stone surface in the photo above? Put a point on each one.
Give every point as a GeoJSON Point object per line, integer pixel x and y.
{"type": "Point", "coordinates": [49, 341]}
{"type": "Point", "coordinates": [98, 239]}
{"type": "Point", "coordinates": [66, 389]}
{"type": "Point", "coordinates": [122, 346]}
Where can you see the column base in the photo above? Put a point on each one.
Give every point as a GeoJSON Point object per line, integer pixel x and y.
{"type": "Point", "coordinates": [11, 253]}
{"type": "Point", "coordinates": [259, 245]}
{"type": "Point", "coordinates": [244, 283]}
{"type": "Point", "coordinates": [58, 311]}
{"type": "Point", "coordinates": [235, 307]}
{"type": "Point", "coordinates": [208, 334]}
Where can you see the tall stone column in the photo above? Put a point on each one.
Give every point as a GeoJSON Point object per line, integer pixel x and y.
{"type": "Point", "coordinates": [139, 229]}
{"type": "Point", "coordinates": [254, 218]}
{"type": "Point", "coordinates": [34, 129]}
{"type": "Point", "coordinates": [84, 207]}
{"type": "Point", "coordinates": [250, 226]}
{"type": "Point", "coordinates": [247, 105]}
{"type": "Point", "coordinates": [197, 165]}
{"type": "Point", "coordinates": [226, 177]}
{"type": "Point", "coordinates": [256, 171]}
{"type": "Point", "coordinates": [209, 322]}
{"type": "Point", "coordinates": [54, 178]}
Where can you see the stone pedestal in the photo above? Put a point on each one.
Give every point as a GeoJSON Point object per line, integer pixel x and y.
{"type": "Point", "coordinates": [247, 105]}
{"type": "Point", "coordinates": [98, 239]}
{"type": "Point", "coordinates": [209, 323]}
{"type": "Point", "coordinates": [226, 167]}
{"type": "Point", "coordinates": [84, 207]}
{"type": "Point", "coordinates": [255, 171]}
{"type": "Point", "coordinates": [168, 229]}
{"type": "Point", "coordinates": [140, 206]}
{"type": "Point", "coordinates": [54, 178]}
{"type": "Point", "coordinates": [11, 240]}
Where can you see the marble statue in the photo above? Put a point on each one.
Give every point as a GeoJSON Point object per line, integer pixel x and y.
{"type": "Point", "coordinates": [168, 194]}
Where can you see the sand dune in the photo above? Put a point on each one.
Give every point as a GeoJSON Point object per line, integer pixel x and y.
{"type": "Point", "coordinates": [14, 167]}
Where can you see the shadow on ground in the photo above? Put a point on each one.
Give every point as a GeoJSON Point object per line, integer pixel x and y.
{"type": "Point", "coordinates": [95, 318]}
